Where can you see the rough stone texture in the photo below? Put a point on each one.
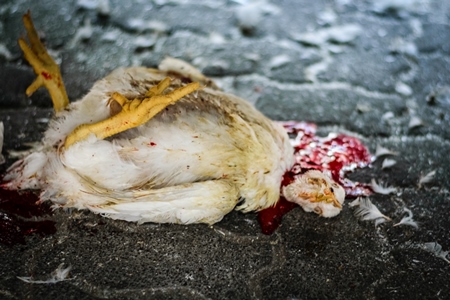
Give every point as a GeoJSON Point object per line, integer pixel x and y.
{"type": "Point", "coordinates": [395, 69]}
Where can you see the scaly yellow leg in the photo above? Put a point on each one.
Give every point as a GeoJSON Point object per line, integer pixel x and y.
{"type": "Point", "coordinates": [134, 112]}
{"type": "Point", "coordinates": [46, 69]}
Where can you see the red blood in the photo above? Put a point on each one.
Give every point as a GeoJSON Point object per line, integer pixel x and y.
{"type": "Point", "coordinates": [14, 229]}
{"type": "Point", "coordinates": [46, 75]}
{"type": "Point", "coordinates": [152, 144]}
{"type": "Point", "coordinates": [270, 218]}
{"type": "Point", "coordinates": [336, 154]}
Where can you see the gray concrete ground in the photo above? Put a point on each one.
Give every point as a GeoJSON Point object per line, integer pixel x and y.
{"type": "Point", "coordinates": [377, 70]}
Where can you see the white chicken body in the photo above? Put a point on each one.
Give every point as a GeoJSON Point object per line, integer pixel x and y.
{"type": "Point", "coordinates": [191, 163]}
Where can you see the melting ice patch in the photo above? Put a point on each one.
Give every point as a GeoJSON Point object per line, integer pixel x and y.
{"type": "Point", "coordinates": [338, 34]}
{"type": "Point", "coordinates": [4, 52]}
{"type": "Point", "coordinates": [102, 6]}
{"type": "Point", "coordinates": [250, 12]}
{"type": "Point", "coordinates": [401, 7]}
{"type": "Point", "coordinates": [83, 33]}
{"type": "Point", "coordinates": [279, 61]}
{"type": "Point", "coordinates": [141, 25]}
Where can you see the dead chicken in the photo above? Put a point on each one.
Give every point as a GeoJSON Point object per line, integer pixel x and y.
{"type": "Point", "coordinates": [143, 146]}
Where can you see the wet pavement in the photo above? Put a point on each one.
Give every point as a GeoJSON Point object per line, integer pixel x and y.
{"type": "Point", "coordinates": [373, 69]}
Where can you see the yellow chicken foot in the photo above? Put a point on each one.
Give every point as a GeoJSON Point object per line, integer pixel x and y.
{"type": "Point", "coordinates": [46, 69]}
{"type": "Point", "coordinates": [134, 112]}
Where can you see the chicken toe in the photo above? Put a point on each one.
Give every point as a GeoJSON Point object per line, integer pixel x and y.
{"type": "Point", "coordinates": [134, 112]}
{"type": "Point", "coordinates": [46, 69]}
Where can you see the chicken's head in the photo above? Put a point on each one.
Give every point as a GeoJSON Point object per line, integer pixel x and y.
{"type": "Point", "coordinates": [317, 192]}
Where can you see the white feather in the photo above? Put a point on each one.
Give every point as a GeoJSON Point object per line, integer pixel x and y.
{"type": "Point", "coordinates": [436, 249]}
{"type": "Point", "coordinates": [200, 202]}
{"type": "Point", "coordinates": [415, 122]}
{"type": "Point", "coordinates": [60, 274]}
{"type": "Point", "coordinates": [387, 163]}
{"type": "Point", "coordinates": [379, 189]}
{"type": "Point", "coordinates": [367, 211]}
{"type": "Point", "coordinates": [354, 202]}
{"type": "Point", "coordinates": [381, 151]}
{"type": "Point", "coordinates": [427, 178]}
{"type": "Point", "coordinates": [408, 220]}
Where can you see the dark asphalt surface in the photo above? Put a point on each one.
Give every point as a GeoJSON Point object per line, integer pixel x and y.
{"type": "Point", "coordinates": [368, 68]}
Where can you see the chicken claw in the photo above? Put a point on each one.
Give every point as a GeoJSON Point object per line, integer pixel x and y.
{"type": "Point", "coordinates": [134, 112]}
{"type": "Point", "coordinates": [46, 69]}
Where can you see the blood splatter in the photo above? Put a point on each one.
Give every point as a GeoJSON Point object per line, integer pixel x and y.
{"type": "Point", "coordinates": [46, 75]}
{"type": "Point", "coordinates": [337, 154]}
{"type": "Point", "coordinates": [15, 208]}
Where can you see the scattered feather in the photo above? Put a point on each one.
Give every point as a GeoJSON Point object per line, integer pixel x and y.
{"type": "Point", "coordinates": [381, 151]}
{"type": "Point", "coordinates": [379, 221]}
{"type": "Point", "coordinates": [408, 220]}
{"type": "Point", "coordinates": [367, 211]}
{"type": "Point", "coordinates": [427, 178]}
{"type": "Point", "coordinates": [354, 203]}
{"type": "Point", "coordinates": [2, 128]}
{"type": "Point", "coordinates": [387, 163]}
{"type": "Point", "coordinates": [415, 122]}
{"type": "Point", "coordinates": [379, 189]}
{"type": "Point", "coordinates": [436, 249]}
{"type": "Point", "coordinates": [60, 274]}
{"type": "Point", "coordinates": [33, 147]}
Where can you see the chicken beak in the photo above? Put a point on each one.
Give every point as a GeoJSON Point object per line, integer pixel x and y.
{"type": "Point", "coordinates": [330, 198]}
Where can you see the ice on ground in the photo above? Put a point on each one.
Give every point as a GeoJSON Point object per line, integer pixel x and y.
{"type": "Point", "coordinates": [250, 13]}
{"type": "Point", "coordinates": [401, 7]}
{"type": "Point", "coordinates": [343, 34]}
{"type": "Point", "coordinates": [83, 33]}
{"type": "Point", "coordinates": [403, 89]}
{"type": "Point", "coordinates": [4, 52]}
